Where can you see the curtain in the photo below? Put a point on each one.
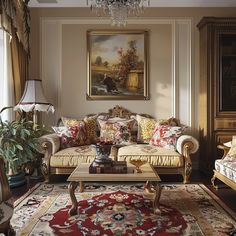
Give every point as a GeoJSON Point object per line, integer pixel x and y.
{"type": "Point", "coordinates": [7, 97]}
{"type": "Point", "coordinates": [15, 15]}
{"type": "Point", "coordinates": [14, 19]}
{"type": "Point", "coordinates": [20, 61]}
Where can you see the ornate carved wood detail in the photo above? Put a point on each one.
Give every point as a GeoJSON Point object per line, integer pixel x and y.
{"type": "Point", "coordinates": [5, 190]}
{"type": "Point", "coordinates": [218, 21]}
{"type": "Point", "coordinates": [5, 226]}
{"type": "Point", "coordinates": [121, 112]}
{"type": "Point", "coordinates": [45, 167]}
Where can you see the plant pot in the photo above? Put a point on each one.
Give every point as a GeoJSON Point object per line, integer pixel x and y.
{"type": "Point", "coordinates": [16, 180]}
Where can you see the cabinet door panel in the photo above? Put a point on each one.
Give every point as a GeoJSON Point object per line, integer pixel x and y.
{"type": "Point", "coordinates": [223, 137]}
{"type": "Point", "coordinates": [227, 72]}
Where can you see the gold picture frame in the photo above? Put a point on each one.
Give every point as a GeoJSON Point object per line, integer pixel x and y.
{"type": "Point", "coordinates": [117, 65]}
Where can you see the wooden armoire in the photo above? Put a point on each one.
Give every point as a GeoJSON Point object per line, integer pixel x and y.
{"type": "Point", "coordinates": [217, 98]}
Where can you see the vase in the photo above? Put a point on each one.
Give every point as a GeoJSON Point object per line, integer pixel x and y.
{"type": "Point", "coordinates": [17, 180]}
{"type": "Point", "coordinates": [102, 155]}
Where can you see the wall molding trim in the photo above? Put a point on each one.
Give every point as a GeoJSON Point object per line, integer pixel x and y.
{"type": "Point", "coordinates": [105, 20]}
{"type": "Point", "coordinates": [179, 69]}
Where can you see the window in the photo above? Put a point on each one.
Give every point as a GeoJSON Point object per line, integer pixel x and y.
{"type": "Point", "coordinates": [6, 79]}
{"type": "Point", "coordinates": [1, 69]}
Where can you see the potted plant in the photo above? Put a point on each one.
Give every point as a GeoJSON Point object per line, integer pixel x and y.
{"type": "Point", "coordinates": [18, 146]}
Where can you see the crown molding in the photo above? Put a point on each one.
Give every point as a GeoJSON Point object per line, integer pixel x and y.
{"type": "Point", "coordinates": [153, 3]}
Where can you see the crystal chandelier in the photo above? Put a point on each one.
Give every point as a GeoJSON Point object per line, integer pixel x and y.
{"type": "Point", "coordinates": [118, 10]}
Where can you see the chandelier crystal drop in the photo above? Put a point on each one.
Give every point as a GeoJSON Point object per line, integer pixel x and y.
{"type": "Point", "coordinates": [118, 10]}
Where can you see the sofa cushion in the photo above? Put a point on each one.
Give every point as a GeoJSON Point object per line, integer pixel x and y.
{"type": "Point", "coordinates": [71, 157]}
{"type": "Point", "coordinates": [156, 156]}
{"type": "Point", "coordinates": [227, 168]}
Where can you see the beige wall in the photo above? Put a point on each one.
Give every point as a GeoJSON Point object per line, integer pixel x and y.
{"type": "Point", "coordinates": [73, 62]}
{"type": "Point", "coordinates": [36, 13]}
{"type": "Point", "coordinates": [74, 73]}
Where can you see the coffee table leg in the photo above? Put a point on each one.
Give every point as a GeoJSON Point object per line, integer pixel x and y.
{"type": "Point", "coordinates": [157, 194]}
{"type": "Point", "coordinates": [73, 209]}
{"type": "Point", "coordinates": [81, 186]}
{"type": "Point", "coordinates": [148, 187]}
{"type": "Point", "coordinates": [154, 188]}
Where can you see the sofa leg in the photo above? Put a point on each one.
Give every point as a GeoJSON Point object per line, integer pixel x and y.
{"type": "Point", "coordinates": [187, 173]}
{"type": "Point", "coordinates": [45, 172]}
{"type": "Point", "coordinates": [186, 179]}
{"type": "Point", "coordinates": [213, 182]}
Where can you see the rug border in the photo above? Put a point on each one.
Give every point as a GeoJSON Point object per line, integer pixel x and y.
{"type": "Point", "coordinates": [25, 195]}
{"type": "Point", "coordinates": [231, 213]}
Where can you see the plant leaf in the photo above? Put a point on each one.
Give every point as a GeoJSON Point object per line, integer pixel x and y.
{"type": "Point", "coordinates": [19, 147]}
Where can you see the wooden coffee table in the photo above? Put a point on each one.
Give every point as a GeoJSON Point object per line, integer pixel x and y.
{"type": "Point", "coordinates": [149, 175]}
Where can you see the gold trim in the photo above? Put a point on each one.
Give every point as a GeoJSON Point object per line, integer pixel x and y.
{"type": "Point", "coordinates": [224, 179]}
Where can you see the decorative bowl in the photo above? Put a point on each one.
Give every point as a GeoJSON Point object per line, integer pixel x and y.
{"type": "Point", "coordinates": [138, 164]}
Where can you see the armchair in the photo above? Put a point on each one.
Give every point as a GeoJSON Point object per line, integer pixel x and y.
{"type": "Point", "coordinates": [225, 169]}
{"type": "Point", "coordinates": [6, 208]}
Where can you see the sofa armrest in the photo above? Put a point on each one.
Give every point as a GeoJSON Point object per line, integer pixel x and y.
{"type": "Point", "coordinates": [50, 139]}
{"type": "Point", "coordinates": [225, 149]}
{"type": "Point", "coordinates": [48, 145]}
{"type": "Point", "coordinates": [187, 144]}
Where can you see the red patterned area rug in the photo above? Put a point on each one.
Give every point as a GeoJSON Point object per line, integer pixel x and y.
{"type": "Point", "coordinates": [122, 210]}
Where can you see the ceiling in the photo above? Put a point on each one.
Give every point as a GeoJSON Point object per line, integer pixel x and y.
{"type": "Point", "coordinates": [153, 3]}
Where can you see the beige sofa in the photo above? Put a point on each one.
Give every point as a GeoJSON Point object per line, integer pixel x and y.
{"type": "Point", "coordinates": [63, 161]}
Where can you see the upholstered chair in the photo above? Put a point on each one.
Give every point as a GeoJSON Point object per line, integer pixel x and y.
{"type": "Point", "coordinates": [6, 207]}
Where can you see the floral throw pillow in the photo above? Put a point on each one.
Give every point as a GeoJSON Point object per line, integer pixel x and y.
{"type": "Point", "coordinates": [146, 127]}
{"type": "Point", "coordinates": [118, 132]}
{"type": "Point", "coordinates": [166, 136]}
{"type": "Point", "coordinates": [90, 125]}
{"type": "Point", "coordinates": [71, 121]}
{"type": "Point", "coordinates": [72, 136]}
{"type": "Point", "coordinates": [91, 128]}
{"type": "Point", "coordinates": [231, 155]}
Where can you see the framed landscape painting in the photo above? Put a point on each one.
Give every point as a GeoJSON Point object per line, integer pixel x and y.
{"type": "Point", "coordinates": [117, 65]}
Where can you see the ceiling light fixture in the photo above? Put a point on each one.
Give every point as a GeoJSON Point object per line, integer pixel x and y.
{"type": "Point", "coordinates": [118, 10]}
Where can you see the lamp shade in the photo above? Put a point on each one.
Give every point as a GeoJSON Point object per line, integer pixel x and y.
{"type": "Point", "coordinates": [33, 98]}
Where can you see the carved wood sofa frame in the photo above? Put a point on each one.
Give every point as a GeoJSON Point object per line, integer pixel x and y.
{"type": "Point", "coordinates": [221, 177]}
{"type": "Point", "coordinates": [186, 146]}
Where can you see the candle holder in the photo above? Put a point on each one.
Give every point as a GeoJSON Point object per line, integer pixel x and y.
{"type": "Point", "coordinates": [138, 164]}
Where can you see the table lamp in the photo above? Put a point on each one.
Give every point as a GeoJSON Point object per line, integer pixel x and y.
{"type": "Point", "coordinates": [33, 99]}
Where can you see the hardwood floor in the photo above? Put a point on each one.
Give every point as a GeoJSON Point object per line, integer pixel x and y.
{"type": "Point", "coordinates": [226, 194]}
